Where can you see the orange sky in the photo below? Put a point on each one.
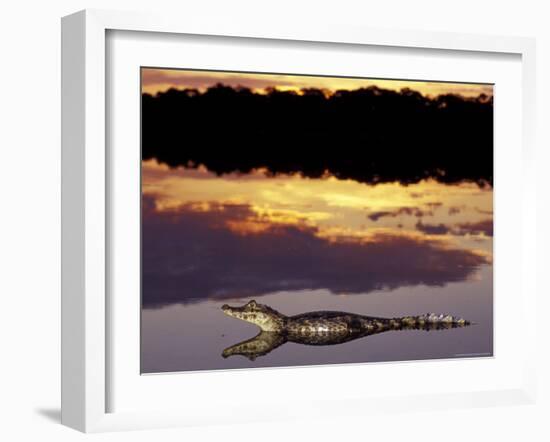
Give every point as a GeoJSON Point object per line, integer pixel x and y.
{"type": "Point", "coordinates": [157, 80]}
{"type": "Point", "coordinates": [336, 208]}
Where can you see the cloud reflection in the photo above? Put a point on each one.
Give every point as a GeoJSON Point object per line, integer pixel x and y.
{"type": "Point", "coordinates": [410, 211]}
{"type": "Point", "coordinates": [483, 227]}
{"type": "Point", "coordinates": [214, 251]}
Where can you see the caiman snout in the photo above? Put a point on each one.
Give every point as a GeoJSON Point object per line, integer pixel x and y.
{"type": "Point", "coordinates": [228, 310]}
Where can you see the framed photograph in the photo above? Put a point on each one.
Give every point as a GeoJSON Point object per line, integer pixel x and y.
{"type": "Point", "coordinates": [264, 195]}
{"type": "Point", "coordinates": [263, 222]}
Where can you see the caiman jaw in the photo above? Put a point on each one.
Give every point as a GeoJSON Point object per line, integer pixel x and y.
{"type": "Point", "coordinates": [234, 312]}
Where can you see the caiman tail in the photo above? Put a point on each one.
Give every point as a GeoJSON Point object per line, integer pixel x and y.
{"type": "Point", "coordinates": [429, 321]}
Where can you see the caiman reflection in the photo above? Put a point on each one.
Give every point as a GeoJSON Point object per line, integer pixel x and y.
{"type": "Point", "coordinates": [321, 328]}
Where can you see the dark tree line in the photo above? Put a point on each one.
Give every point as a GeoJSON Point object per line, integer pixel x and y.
{"type": "Point", "coordinates": [370, 135]}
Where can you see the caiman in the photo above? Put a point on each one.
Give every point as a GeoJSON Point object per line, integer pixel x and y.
{"type": "Point", "coordinates": [322, 327]}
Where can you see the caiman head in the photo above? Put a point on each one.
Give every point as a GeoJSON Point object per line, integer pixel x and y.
{"type": "Point", "coordinates": [268, 319]}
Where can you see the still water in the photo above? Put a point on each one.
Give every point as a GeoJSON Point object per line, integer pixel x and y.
{"type": "Point", "coordinates": [299, 245]}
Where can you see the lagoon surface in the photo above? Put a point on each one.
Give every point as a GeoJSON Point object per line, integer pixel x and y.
{"type": "Point", "coordinates": [302, 244]}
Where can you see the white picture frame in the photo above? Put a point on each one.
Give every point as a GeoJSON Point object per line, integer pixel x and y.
{"type": "Point", "coordinates": [86, 352]}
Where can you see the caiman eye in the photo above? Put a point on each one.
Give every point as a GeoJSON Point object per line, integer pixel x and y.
{"type": "Point", "coordinates": [252, 304]}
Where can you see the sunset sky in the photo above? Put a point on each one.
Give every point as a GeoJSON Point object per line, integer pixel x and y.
{"type": "Point", "coordinates": [158, 80]}
{"type": "Point", "coordinates": [336, 208]}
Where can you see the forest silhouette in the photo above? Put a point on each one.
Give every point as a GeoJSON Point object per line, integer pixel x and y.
{"type": "Point", "coordinates": [370, 135]}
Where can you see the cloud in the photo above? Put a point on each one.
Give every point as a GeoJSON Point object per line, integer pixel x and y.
{"type": "Point", "coordinates": [193, 253]}
{"type": "Point", "coordinates": [454, 210]}
{"type": "Point", "coordinates": [434, 205]}
{"type": "Point", "coordinates": [409, 211]}
{"type": "Point", "coordinates": [484, 227]}
{"type": "Point", "coordinates": [203, 80]}
{"type": "Point", "coordinates": [433, 229]}
{"type": "Point", "coordinates": [484, 212]}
